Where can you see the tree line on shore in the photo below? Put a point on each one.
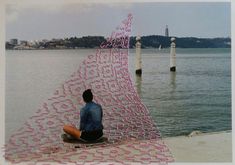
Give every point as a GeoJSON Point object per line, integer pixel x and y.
{"type": "Point", "coordinates": [154, 41]}
{"type": "Point", "coordinates": [151, 41]}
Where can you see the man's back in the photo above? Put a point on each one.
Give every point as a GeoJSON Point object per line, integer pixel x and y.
{"type": "Point", "coordinates": [91, 127]}
{"type": "Point", "coordinates": [91, 117]}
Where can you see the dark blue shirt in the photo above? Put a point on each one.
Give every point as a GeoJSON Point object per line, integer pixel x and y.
{"type": "Point", "coordinates": [91, 117]}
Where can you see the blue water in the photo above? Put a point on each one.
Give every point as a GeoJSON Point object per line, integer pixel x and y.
{"type": "Point", "coordinates": [196, 97]}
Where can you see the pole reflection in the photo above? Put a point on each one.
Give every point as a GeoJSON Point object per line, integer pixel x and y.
{"type": "Point", "coordinates": [172, 81]}
{"type": "Point", "coordinates": [138, 83]}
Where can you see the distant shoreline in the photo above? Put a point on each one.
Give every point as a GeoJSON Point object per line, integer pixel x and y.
{"type": "Point", "coordinates": [99, 48]}
{"type": "Point", "coordinates": [90, 42]}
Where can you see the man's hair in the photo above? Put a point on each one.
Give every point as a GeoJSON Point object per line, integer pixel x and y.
{"type": "Point", "coordinates": [87, 95]}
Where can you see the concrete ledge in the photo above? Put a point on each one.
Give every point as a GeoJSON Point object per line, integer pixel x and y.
{"type": "Point", "coordinates": [205, 147]}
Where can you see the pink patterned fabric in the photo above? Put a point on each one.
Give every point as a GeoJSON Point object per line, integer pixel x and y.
{"type": "Point", "coordinates": [131, 132]}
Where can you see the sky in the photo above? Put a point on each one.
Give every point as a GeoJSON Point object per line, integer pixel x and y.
{"type": "Point", "coordinates": [55, 20]}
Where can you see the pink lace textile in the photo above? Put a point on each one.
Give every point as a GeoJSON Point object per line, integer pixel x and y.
{"type": "Point", "coordinates": [125, 117]}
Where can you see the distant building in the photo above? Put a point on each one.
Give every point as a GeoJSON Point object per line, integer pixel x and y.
{"type": "Point", "coordinates": [166, 31]}
{"type": "Point", "coordinates": [9, 46]}
{"type": "Point", "coordinates": [45, 40]}
{"type": "Point", "coordinates": [14, 41]}
{"type": "Point", "coordinates": [24, 43]}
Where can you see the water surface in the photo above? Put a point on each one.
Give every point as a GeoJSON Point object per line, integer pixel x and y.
{"type": "Point", "coordinates": [196, 97]}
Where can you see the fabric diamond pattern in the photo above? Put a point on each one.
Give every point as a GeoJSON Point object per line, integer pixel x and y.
{"type": "Point", "coordinates": [131, 132]}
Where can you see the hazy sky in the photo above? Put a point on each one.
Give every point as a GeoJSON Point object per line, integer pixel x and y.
{"type": "Point", "coordinates": [47, 21]}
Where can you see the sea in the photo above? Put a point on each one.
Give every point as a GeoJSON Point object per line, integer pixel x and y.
{"type": "Point", "coordinates": [197, 97]}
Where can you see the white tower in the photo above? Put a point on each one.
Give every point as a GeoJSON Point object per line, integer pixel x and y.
{"type": "Point", "coordinates": [172, 56]}
{"type": "Point", "coordinates": [138, 62]}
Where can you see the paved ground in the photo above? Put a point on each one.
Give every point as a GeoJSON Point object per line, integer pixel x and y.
{"type": "Point", "coordinates": [211, 147]}
{"type": "Point", "coordinates": [126, 152]}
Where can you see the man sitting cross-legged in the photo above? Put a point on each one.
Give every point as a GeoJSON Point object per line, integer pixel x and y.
{"type": "Point", "coordinates": [91, 127]}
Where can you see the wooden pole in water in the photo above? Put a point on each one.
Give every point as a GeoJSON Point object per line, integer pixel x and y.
{"type": "Point", "coordinates": [172, 56]}
{"type": "Point", "coordinates": [138, 62]}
